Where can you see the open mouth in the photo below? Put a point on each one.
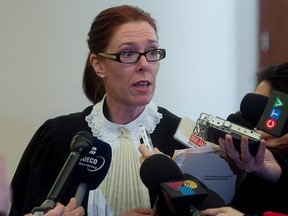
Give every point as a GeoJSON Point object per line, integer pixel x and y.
{"type": "Point", "coordinates": [142, 84]}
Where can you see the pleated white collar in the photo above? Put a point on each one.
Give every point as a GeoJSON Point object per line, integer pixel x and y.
{"type": "Point", "coordinates": [107, 131]}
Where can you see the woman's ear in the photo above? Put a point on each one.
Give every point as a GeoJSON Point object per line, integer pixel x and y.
{"type": "Point", "coordinates": [97, 65]}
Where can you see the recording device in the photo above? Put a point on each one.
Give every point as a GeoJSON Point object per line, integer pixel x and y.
{"type": "Point", "coordinates": [92, 169]}
{"type": "Point", "coordinates": [80, 145]}
{"type": "Point", "coordinates": [175, 195]}
{"type": "Point", "coordinates": [145, 138]}
{"type": "Point", "coordinates": [211, 128]}
{"type": "Point", "coordinates": [266, 114]}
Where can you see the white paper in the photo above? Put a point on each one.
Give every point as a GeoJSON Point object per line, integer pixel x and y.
{"type": "Point", "coordinates": [210, 169]}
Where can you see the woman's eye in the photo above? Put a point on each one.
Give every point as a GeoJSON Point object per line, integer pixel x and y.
{"type": "Point", "coordinates": [128, 54]}
{"type": "Point", "coordinates": [152, 52]}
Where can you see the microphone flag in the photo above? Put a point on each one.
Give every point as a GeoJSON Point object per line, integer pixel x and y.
{"type": "Point", "coordinates": [275, 114]}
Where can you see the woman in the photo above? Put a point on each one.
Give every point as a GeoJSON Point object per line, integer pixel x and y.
{"type": "Point", "coordinates": [120, 80]}
{"type": "Point", "coordinates": [272, 78]}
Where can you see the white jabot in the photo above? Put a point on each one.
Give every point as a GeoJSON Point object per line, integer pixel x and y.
{"type": "Point", "coordinates": [122, 188]}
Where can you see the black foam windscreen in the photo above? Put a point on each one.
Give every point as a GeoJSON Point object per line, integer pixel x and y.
{"type": "Point", "coordinates": [252, 107]}
{"type": "Point", "coordinates": [93, 168]}
{"type": "Point", "coordinates": [237, 118]}
{"type": "Point", "coordinates": [159, 168]}
{"type": "Point", "coordinates": [155, 170]}
{"type": "Point", "coordinates": [82, 142]}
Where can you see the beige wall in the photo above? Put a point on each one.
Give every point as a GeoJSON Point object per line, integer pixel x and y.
{"type": "Point", "coordinates": [43, 50]}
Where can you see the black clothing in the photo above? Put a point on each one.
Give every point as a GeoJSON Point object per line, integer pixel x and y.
{"type": "Point", "coordinates": [48, 150]}
{"type": "Point", "coordinates": [256, 195]}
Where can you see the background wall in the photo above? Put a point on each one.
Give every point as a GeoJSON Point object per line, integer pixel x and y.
{"type": "Point", "coordinates": [210, 65]}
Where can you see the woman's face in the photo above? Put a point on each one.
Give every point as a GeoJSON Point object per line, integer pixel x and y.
{"type": "Point", "coordinates": [131, 85]}
{"type": "Point", "coordinates": [263, 88]}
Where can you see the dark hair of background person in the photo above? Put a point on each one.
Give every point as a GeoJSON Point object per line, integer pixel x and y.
{"type": "Point", "coordinates": [276, 76]}
{"type": "Point", "coordinates": [99, 36]}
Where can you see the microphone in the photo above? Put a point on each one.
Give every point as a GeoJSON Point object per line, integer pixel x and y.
{"type": "Point", "coordinates": [182, 196]}
{"type": "Point", "coordinates": [79, 147]}
{"type": "Point", "coordinates": [252, 107]}
{"type": "Point", "coordinates": [267, 114]}
{"type": "Point", "coordinates": [92, 169]}
{"type": "Point", "coordinates": [238, 118]}
{"type": "Point", "coordinates": [169, 190]}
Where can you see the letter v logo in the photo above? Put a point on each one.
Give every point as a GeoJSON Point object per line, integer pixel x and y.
{"type": "Point", "coordinates": [278, 102]}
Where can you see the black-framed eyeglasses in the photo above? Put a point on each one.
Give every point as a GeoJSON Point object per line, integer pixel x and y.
{"type": "Point", "coordinates": [130, 57]}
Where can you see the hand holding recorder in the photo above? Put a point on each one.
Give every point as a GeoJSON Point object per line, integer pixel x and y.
{"type": "Point", "coordinates": [211, 128]}
{"type": "Point", "coordinates": [262, 164]}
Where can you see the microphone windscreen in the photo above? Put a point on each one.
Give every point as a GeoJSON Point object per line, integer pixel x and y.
{"type": "Point", "coordinates": [159, 168]}
{"type": "Point", "coordinates": [237, 118]}
{"type": "Point", "coordinates": [156, 169]}
{"type": "Point", "coordinates": [93, 168]}
{"type": "Point", "coordinates": [252, 107]}
{"type": "Point", "coordinates": [82, 143]}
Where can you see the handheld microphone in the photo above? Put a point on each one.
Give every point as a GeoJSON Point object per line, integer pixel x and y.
{"type": "Point", "coordinates": [79, 147]}
{"type": "Point", "coordinates": [176, 196]}
{"type": "Point", "coordinates": [252, 107]}
{"type": "Point", "coordinates": [267, 114]}
{"type": "Point", "coordinates": [92, 169]}
{"type": "Point", "coordinates": [182, 196]}
{"type": "Point", "coordinates": [237, 118]}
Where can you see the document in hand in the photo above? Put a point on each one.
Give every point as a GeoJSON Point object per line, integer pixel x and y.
{"type": "Point", "coordinates": [204, 163]}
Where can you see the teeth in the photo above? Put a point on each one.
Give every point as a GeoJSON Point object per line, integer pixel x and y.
{"type": "Point", "coordinates": [142, 84]}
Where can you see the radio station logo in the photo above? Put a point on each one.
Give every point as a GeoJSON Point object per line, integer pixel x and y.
{"type": "Point", "coordinates": [184, 187]}
{"type": "Point", "coordinates": [275, 114]}
{"type": "Point", "coordinates": [196, 140]}
{"type": "Point", "coordinates": [92, 161]}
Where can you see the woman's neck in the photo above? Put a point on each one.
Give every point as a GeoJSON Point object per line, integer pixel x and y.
{"type": "Point", "coordinates": [121, 114]}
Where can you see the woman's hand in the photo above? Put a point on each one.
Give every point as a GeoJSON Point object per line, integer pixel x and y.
{"type": "Point", "coordinates": [146, 152]}
{"type": "Point", "coordinates": [72, 210]}
{"type": "Point", "coordinates": [263, 164]}
{"type": "Point", "coordinates": [69, 210]}
{"type": "Point", "coordinates": [223, 211]}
